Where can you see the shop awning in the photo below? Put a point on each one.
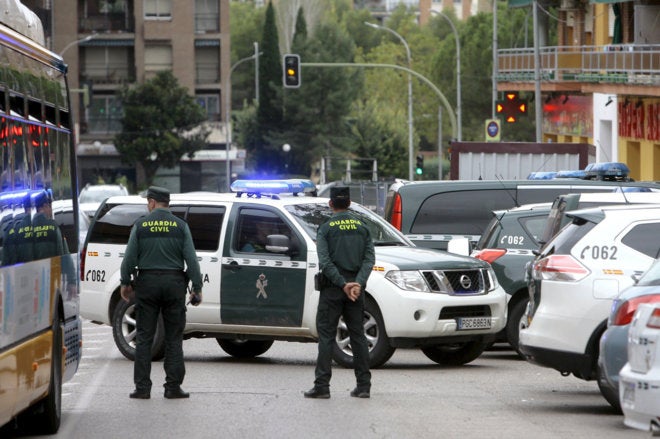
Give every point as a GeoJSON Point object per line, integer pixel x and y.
{"type": "Point", "coordinates": [101, 42]}
{"type": "Point", "coordinates": [207, 43]}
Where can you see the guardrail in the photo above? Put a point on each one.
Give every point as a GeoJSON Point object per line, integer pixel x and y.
{"type": "Point", "coordinates": [617, 63]}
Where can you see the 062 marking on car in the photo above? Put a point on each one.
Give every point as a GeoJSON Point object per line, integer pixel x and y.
{"type": "Point", "coordinates": [599, 252]}
{"type": "Point", "coordinates": [95, 275]}
{"type": "Point", "coordinates": [512, 240]}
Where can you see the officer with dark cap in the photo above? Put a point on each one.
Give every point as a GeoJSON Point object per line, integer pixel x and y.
{"type": "Point", "coordinates": [46, 234]}
{"type": "Point", "coordinates": [158, 247]}
{"type": "Point", "coordinates": [346, 258]}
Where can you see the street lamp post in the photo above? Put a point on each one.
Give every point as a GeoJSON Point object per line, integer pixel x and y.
{"type": "Point", "coordinates": [459, 110]}
{"type": "Point", "coordinates": [228, 140]}
{"type": "Point", "coordinates": [411, 152]}
{"type": "Point", "coordinates": [73, 43]}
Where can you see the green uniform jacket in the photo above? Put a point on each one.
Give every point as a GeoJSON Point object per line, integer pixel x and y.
{"type": "Point", "coordinates": [161, 241]}
{"type": "Point", "coordinates": [47, 237]}
{"type": "Point", "coordinates": [344, 245]}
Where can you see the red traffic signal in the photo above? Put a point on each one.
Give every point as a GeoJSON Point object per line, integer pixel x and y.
{"type": "Point", "coordinates": [511, 107]}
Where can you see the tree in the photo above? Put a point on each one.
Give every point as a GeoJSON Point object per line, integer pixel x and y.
{"type": "Point", "coordinates": [161, 123]}
{"type": "Point", "coordinates": [269, 112]}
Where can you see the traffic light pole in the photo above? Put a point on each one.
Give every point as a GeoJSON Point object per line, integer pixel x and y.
{"type": "Point", "coordinates": [443, 99]}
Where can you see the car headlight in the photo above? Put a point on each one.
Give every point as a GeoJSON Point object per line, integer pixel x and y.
{"type": "Point", "coordinates": [408, 280]}
{"type": "Point", "coordinates": [492, 279]}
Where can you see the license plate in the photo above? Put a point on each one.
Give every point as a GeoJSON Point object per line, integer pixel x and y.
{"type": "Point", "coordinates": [629, 393]}
{"type": "Point", "coordinates": [466, 323]}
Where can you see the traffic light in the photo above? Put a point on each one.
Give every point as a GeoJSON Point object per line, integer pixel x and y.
{"type": "Point", "coordinates": [511, 107]}
{"type": "Point", "coordinates": [291, 78]}
{"type": "Point", "coordinates": [419, 169]}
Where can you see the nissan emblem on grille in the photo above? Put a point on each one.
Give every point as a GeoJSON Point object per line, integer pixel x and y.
{"type": "Point", "coordinates": [465, 282]}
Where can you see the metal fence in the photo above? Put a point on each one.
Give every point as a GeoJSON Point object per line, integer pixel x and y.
{"type": "Point", "coordinates": [614, 63]}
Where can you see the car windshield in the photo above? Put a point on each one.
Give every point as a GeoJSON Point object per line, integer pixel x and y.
{"type": "Point", "coordinates": [312, 215]}
{"type": "Point", "coordinates": [98, 195]}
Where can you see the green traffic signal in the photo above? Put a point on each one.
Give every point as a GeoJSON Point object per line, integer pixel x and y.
{"type": "Point", "coordinates": [419, 169]}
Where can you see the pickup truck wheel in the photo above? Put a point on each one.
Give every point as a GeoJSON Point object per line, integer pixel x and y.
{"type": "Point", "coordinates": [124, 332]}
{"type": "Point", "coordinates": [244, 348]}
{"type": "Point", "coordinates": [516, 321]}
{"type": "Point", "coordinates": [379, 347]}
{"type": "Point", "coordinates": [455, 354]}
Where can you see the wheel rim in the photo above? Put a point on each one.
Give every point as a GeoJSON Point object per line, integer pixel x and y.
{"type": "Point", "coordinates": [128, 329]}
{"type": "Point", "coordinates": [371, 331]}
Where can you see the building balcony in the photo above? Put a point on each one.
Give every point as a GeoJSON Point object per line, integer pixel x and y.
{"type": "Point", "coordinates": [115, 22]}
{"type": "Point", "coordinates": [633, 68]}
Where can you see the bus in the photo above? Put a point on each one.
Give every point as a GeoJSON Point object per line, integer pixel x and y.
{"type": "Point", "coordinates": [40, 324]}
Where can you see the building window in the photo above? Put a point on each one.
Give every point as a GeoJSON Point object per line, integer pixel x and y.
{"type": "Point", "coordinates": [207, 17]}
{"type": "Point", "coordinates": [157, 8]}
{"type": "Point", "coordinates": [211, 104]}
{"type": "Point", "coordinates": [207, 65]}
{"type": "Point", "coordinates": [157, 58]}
{"type": "Point", "coordinates": [107, 65]}
{"type": "Point", "coordinates": [104, 114]}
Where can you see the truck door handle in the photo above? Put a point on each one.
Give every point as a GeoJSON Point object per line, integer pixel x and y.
{"type": "Point", "coordinates": [233, 266]}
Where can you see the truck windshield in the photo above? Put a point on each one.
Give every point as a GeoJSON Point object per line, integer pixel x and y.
{"type": "Point", "coordinates": [310, 216]}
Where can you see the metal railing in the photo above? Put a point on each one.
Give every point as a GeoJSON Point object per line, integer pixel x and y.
{"type": "Point", "coordinates": [112, 22]}
{"type": "Point", "coordinates": [617, 63]}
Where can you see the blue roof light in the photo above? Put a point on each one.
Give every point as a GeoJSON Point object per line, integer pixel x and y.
{"type": "Point", "coordinates": [616, 169]}
{"type": "Point", "coordinates": [271, 187]}
{"type": "Point", "coordinates": [571, 174]}
{"type": "Point", "coordinates": [541, 175]}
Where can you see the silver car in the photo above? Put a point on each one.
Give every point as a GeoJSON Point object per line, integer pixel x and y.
{"type": "Point", "coordinates": [614, 342]}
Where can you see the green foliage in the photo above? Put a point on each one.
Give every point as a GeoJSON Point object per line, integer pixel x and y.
{"type": "Point", "coordinates": [246, 23]}
{"type": "Point", "coordinates": [269, 112]}
{"type": "Point", "coordinates": [378, 137]}
{"type": "Point", "coordinates": [362, 112]}
{"type": "Point", "coordinates": [161, 123]}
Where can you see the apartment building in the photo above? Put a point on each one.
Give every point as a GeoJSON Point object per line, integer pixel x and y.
{"type": "Point", "coordinates": [110, 43]}
{"type": "Point", "coordinates": [601, 83]}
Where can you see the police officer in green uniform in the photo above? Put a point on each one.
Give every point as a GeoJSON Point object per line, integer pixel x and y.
{"type": "Point", "coordinates": [346, 258]}
{"type": "Point", "coordinates": [17, 240]}
{"type": "Point", "coordinates": [46, 234]}
{"type": "Point", "coordinates": [158, 246]}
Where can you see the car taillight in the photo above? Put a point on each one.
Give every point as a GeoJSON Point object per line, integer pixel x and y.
{"type": "Point", "coordinates": [490, 255]}
{"type": "Point", "coordinates": [395, 219]}
{"type": "Point", "coordinates": [83, 253]}
{"type": "Point", "coordinates": [654, 319]}
{"type": "Point", "coordinates": [560, 268]}
{"type": "Point", "coordinates": [627, 309]}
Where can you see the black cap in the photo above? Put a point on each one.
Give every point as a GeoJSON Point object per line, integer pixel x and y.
{"type": "Point", "coordinates": [159, 194]}
{"type": "Point", "coordinates": [42, 198]}
{"type": "Point", "coordinates": [340, 193]}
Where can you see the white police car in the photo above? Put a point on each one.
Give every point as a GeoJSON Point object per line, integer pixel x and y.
{"type": "Point", "coordinates": [450, 306]}
{"type": "Point", "coordinates": [575, 278]}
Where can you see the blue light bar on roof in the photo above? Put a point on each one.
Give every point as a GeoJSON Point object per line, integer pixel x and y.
{"type": "Point", "coordinates": [571, 174]}
{"type": "Point", "coordinates": [608, 169]}
{"type": "Point", "coordinates": [291, 186]}
{"type": "Point", "coordinates": [541, 175]}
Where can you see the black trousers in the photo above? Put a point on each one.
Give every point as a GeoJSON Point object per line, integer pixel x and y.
{"type": "Point", "coordinates": [333, 304]}
{"type": "Point", "coordinates": [156, 293]}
